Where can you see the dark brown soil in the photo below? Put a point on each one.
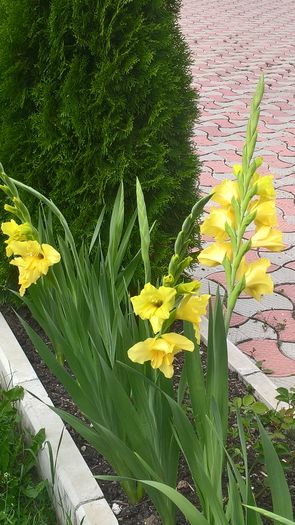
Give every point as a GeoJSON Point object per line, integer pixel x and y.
{"type": "Point", "coordinates": [142, 513]}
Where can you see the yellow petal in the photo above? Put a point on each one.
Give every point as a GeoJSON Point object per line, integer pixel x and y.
{"type": "Point", "coordinates": [214, 254]}
{"type": "Point", "coordinates": [50, 254]}
{"type": "Point", "coordinates": [224, 192]}
{"type": "Point", "coordinates": [266, 237]}
{"type": "Point", "coordinates": [35, 261]}
{"type": "Point", "coordinates": [154, 304]}
{"type": "Point", "coordinates": [214, 225]}
{"type": "Point", "coordinates": [26, 248]}
{"type": "Point", "coordinates": [141, 352]}
{"type": "Point", "coordinates": [160, 351]}
{"type": "Point", "coordinates": [167, 366]}
{"type": "Point", "coordinates": [15, 232]}
{"type": "Point", "coordinates": [257, 281]}
{"type": "Point", "coordinates": [192, 308]}
{"type": "Point", "coordinates": [265, 212]}
{"type": "Point", "coordinates": [178, 342]}
{"type": "Point", "coordinates": [264, 186]}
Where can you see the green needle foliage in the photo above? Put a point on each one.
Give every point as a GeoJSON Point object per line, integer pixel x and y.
{"type": "Point", "coordinates": [93, 93]}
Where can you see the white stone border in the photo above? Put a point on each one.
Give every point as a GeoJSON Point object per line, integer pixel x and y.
{"type": "Point", "coordinates": [264, 388]}
{"type": "Point", "coordinates": [76, 491]}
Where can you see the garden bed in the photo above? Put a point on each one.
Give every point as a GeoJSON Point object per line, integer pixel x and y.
{"type": "Point", "coordinates": [142, 513]}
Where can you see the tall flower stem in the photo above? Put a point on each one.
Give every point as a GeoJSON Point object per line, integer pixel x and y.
{"type": "Point", "coordinates": [244, 177]}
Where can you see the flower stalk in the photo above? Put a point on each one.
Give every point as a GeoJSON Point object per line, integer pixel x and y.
{"type": "Point", "coordinates": [251, 198]}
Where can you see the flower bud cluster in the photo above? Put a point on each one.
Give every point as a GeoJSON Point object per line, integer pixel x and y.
{"type": "Point", "coordinates": [32, 258]}
{"type": "Point", "coordinates": [161, 306]}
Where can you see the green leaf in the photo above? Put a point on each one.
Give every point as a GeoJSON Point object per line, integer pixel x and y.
{"type": "Point", "coordinates": [268, 514]}
{"type": "Point", "coordinates": [144, 231]}
{"type": "Point", "coordinates": [33, 492]}
{"type": "Point", "coordinates": [282, 503]}
{"type": "Point", "coordinates": [234, 507]}
{"type": "Point", "coordinates": [14, 394]}
{"type": "Point", "coordinates": [196, 382]}
{"type": "Point", "coordinates": [96, 230]}
{"type": "Point", "coordinates": [116, 226]}
{"type": "Point", "coordinates": [248, 400]}
{"type": "Point", "coordinates": [218, 388]}
{"type": "Point", "coordinates": [259, 408]}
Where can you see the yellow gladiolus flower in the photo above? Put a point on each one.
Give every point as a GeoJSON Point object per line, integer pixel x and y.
{"type": "Point", "coordinates": [224, 192]}
{"type": "Point", "coordinates": [266, 237]}
{"type": "Point", "coordinates": [265, 212]}
{"type": "Point", "coordinates": [191, 309]}
{"type": "Point", "coordinates": [154, 304]}
{"type": "Point", "coordinates": [257, 282]}
{"type": "Point", "coordinates": [264, 186]}
{"type": "Point", "coordinates": [160, 351]}
{"type": "Point", "coordinates": [214, 254]}
{"type": "Point", "coordinates": [15, 232]}
{"type": "Point", "coordinates": [35, 261]}
{"type": "Point", "coordinates": [214, 225]}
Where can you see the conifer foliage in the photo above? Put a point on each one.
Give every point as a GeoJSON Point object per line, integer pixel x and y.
{"type": "Point", "coordinates": [95, 92]}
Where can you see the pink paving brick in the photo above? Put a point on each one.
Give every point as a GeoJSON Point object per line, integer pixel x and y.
{"type": "Point", "coordinates": [290, 188]}
{"type": "Point", "coordinates": [218, 166]}
{"type": "Point", "coordinates": [290, 265]}
{"type": "Point", "coordinates": [285, 226]}
{"type": "Point", "coordinates": [202, 141]}
{"type": "Point", "coordinates": [287, 205]}
{"type": "Point", "coordinates": [238, 320]}
{"type": "Point", "coordinates": [207, 179]}
{"type": "Point", "coordinates": [280, 320]}
{"type": "Point", "coordinates": [288, 290]}
{"type": "Point", "coordinates": [267, 353]}
{"type": "Point", "coordinates": [218, 277]}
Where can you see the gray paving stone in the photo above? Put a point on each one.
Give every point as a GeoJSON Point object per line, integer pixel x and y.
{"type": "Point", "coordinates": [288, 349]}
{"type": "Point", "coordinates": [252, 329]}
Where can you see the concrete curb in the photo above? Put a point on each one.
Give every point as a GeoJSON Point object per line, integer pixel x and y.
{"type": "Point", "coordinates": [264, 389]}
{"type": "Point", "coordinates": [76, 492]}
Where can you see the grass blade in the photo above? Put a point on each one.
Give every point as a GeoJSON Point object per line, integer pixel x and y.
{"type": "Point", "coordinates": [272, 515]}
{"type": "Point", "coordinates": [282, 504]}
{"type": "Point", "coordinates": [144, 231]}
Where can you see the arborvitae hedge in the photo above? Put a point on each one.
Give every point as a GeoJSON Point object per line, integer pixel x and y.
{"type": "Point", "coordinates": [95, 92]}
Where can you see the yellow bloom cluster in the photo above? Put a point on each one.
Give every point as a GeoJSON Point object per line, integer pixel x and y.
{"type": "Point", "coordinates": [240, 204]}
{"type": "Point", "coordinates": [34, 259]}
{"type": "Point", "coordinates": [159, 305]}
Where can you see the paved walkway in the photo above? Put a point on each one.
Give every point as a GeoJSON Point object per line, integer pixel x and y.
{"type": "Point", "coordinates": [231, 44]}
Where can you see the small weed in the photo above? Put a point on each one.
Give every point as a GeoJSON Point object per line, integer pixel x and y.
{"type": "Point", "coordinates": [280, 425]}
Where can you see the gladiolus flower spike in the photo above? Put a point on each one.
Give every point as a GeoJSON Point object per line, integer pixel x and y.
{"type": "Point", "coordinates": [249, 199]}
{"type": "Point", "coordinates": [34, 258]}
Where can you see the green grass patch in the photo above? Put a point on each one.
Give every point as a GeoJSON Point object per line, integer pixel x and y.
{"type": "Point", "coordinates": [24, 499]}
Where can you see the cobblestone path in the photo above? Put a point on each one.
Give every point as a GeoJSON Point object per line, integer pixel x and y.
{"type": "Point", "coordinates": [231, 44]}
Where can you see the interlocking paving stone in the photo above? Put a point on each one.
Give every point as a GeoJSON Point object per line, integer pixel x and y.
{"type": "Point", "coordinates": [229, 52]}
{"type": "Point", "coordinates": [252, 329]}
{"type": "Point", "coordinates": [268, 354]}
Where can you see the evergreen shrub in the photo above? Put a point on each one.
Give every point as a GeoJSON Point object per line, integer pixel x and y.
{"type": "Point", "coordinates": [96, 91]}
